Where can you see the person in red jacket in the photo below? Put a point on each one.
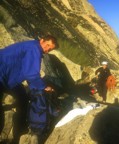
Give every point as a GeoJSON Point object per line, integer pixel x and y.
{"type": "Point", "coordinates": [102, 74]}
{"type": "Point", "coordinates": [22, 61]}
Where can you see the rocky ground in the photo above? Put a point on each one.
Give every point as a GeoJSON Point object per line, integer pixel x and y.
{"type": "Point", "coordinates": [99, 126]}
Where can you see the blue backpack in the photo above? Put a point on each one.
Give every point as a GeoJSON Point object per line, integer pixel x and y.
{"type": "Point", "coordinates": [40, 111]}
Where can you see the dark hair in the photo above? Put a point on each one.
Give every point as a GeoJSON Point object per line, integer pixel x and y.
{"type": "Point", "coordinates": [52, 38]}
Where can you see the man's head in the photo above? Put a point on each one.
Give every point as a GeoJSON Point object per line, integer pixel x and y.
{"type": "Point", "coordinates": [104, 64]}
{"type": "Point", "coordinates": [48, 43]}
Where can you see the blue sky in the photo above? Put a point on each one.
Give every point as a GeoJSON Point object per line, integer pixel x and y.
{"type": "Point", "coordinates": [109, 11]}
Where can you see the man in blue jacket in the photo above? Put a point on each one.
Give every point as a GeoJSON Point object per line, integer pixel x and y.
{"type": "Point", "coordinates": [22, 61]}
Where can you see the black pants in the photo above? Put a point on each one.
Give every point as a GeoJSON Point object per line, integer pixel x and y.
{"type": "Point", "coordinates": [20, 116]}
{"type": "Point", "coordinates": [102, 90]}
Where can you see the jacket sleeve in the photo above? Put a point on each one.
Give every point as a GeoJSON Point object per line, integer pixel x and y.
{"type": "Point", "coordinates": [31, 70]}
{"type": "Point", "coordinates": [36, 83]}
{"type": "Point", "coordinates": [97, 71]}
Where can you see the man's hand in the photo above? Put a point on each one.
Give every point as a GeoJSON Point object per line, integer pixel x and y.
{"type": "Point", "coordinates": [48, 88]}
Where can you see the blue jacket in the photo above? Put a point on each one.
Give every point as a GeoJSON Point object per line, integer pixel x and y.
{"type": "Point", "coordinates": [19, 62]}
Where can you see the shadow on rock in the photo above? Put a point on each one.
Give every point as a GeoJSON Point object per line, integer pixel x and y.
{"type": "Point", "coordinates": [14, 115]}
{"type": "Point", "coordinates": [105, 128]}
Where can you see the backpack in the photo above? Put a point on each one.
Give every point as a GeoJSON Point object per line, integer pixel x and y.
{"type": "Point", "coordinates": [111, 82]}
{"type": "Point", "coordinates": [40, 111]}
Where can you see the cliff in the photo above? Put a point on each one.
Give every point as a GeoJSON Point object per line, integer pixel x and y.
{"type": "Point", "coordinates": [74, 23]}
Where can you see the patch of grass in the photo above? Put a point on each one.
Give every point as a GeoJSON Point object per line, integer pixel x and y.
{"type": "Point", "coordinates": [74, 52]}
